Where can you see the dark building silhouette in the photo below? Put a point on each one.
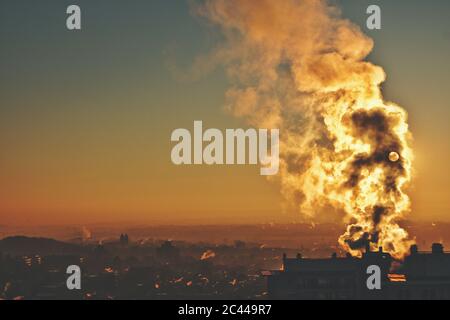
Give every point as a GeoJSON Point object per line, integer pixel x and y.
{"type": "Point", "coordinates": [124, 240]}
{"type": "Point", "coordinates": [427, 275]}
{"type": "Point", "coordinates": [327, 279]}
{"type": "Point", "coordinates": [423, 275]}
{"type": "Point", "coordinates": [167, 251]}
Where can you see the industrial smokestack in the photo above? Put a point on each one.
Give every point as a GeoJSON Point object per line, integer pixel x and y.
{"type": "Point", "coordinates": [437, 248]}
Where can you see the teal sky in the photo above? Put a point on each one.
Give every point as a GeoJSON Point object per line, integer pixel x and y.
{"type": "Point", "coordinates": [93, 110]}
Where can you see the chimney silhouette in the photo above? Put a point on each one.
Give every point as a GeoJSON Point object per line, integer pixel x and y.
{"type": "Point", "coordinates": [437, 248]}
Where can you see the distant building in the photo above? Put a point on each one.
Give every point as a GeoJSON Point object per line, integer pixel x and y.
{"type": "Point", "coordinates": [124, 240]}
{"type": "Point", "coordinates": [421, 276]}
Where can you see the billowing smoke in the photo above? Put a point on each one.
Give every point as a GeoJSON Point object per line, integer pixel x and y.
{"type": "Point", "coordinates": [297, 65]}
{"type": "Point", "coordinates": [86, 234]}
{"type": "Point", "coordinates": [208, 254]}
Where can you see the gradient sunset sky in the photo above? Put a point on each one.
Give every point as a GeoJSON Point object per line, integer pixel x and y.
{"type": "Point", "coordinates": [86, 117]}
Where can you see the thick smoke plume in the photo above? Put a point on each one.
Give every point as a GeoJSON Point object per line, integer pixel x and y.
{"type": "Point", "coordinates": [297, 65]}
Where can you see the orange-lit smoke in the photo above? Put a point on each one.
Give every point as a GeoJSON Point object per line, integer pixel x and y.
{"type": "Point", "coordinates": [299, 66]}
{"type": "Point", "coordinates": [208, 254]}
{"type": "Point", "coordinates": [86, 234]}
